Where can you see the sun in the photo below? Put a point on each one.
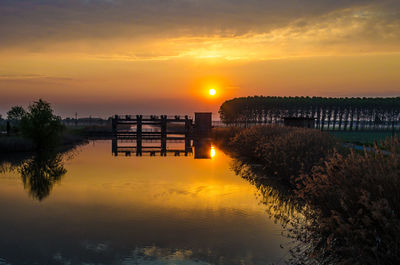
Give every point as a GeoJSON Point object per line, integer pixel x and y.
{"type": "Point", "coordinates": [212, 91]}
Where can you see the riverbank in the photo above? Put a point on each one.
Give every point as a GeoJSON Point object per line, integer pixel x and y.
{"type": "Point", "coordinates": [18, 144]}
{"type": "Point", "coordinates": [282, 152]}
{"type": "Point", "coordinates": [350, 199]}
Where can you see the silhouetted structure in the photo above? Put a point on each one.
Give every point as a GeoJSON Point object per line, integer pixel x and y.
{"type": "Point", "coordinates": [130, 128]}
{"type": "Point", "coordinates": [203, 124]}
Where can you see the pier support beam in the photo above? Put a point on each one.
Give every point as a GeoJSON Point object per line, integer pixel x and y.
{"type": "Point", "coordinates": [114, 146]}
{"type": "Point", "coordinates": [188, 125]}
{"type": "Point", "coordinates": [163, 135]}
{"type": "Point", "coordinates": [139, 135]}
{"type": "Point", "coordinates": [114, 124]}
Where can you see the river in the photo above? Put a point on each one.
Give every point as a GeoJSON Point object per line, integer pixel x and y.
{"type": "Point", "coordinates": [106, 209]}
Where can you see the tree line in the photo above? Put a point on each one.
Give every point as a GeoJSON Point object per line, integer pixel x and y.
{"type": "Point", "coordinates": [347, 114]}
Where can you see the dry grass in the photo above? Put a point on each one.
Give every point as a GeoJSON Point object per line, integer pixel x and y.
{"type": "Point", "coordinates": [354, 208]}
{"type": "Point", "coordinates": [283, 152]}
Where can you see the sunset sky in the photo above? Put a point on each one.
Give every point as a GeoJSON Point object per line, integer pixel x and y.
{"type": "Point", "coordinates": [102, 57]}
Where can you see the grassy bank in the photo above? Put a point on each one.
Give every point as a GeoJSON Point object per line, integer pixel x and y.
{"type": "Point", "coordinates": [18, 144]}
{"type": "Point", "coordinates": [282, 152]}
{"type": "Point", "coordinates": [349, 201]}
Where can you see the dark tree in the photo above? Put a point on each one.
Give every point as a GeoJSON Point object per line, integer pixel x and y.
{"type": "Point", "coordinates": [41, 126]}
{"type": "Point", "coordinates": [16, 113]}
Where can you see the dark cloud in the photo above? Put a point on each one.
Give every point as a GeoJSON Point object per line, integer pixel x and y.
{"type": "Point", "coordinates": [57, 20]}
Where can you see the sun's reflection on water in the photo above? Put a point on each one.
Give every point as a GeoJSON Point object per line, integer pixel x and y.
{"type": "Point", "coordinates": [212, 152]}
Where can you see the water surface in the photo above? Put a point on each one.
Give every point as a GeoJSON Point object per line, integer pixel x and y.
{"type": "Point", "coordinates": [136, 210]}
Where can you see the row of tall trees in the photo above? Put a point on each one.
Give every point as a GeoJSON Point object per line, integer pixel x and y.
{"type": "Point", "coordinates": [329, 113]}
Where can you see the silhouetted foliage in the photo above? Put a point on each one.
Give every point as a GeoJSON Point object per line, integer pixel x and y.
{"type": "Point", "coordinates": [283, 152]}
{"type": "Point", "coordinates": [330, 113]}
{"type": "Point", "coordinates": [354, 208]}
{"type": "Point", "coordinates": [16, 113]}
{"type": "Point", "coordinates": [41, 126]}
{"type": "Point", "coordinates": [40, 173]}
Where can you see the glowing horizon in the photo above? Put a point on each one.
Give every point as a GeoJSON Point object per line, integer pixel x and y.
{"type": "Point", "coordinates": [104, 57]}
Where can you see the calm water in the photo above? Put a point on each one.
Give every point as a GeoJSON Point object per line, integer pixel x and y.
{"type": "Point", "coordinates": [136, 210]}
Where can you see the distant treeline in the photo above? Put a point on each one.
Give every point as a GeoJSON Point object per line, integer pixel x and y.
{"type": "Point", "coordinates": [329, 113]}
{"type": "Point", "coordinates": [86, 121]}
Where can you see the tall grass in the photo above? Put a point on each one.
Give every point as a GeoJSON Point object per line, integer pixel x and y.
{"type": "Point", "coordinates": [283, 152]}
{"type": "Point", "coordinates": [354, 208]}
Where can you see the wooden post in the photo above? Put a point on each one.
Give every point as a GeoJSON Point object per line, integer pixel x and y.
{"type": "Point", "coordinates": [114, 146]}
{"type": "Point", "coordinates": [163, 135]}
{"type": "Point", "coordinates": [139, 135]}
{"type": "Point", "coordinates": [187, 134]}
{"type": "Point", "coordinates": [114, 124]}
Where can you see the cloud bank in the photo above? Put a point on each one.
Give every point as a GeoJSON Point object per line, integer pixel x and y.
{"type": "Point", "coordinates": [228, 29]}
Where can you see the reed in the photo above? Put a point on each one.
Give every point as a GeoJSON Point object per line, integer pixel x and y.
{"type": "Point", "coordinates": [283, 152]}
{"type": "Point", "coordinates": [354, 208]}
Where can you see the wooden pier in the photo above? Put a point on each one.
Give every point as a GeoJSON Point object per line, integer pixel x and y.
{"type": "Point", "coordinates": [163, 128]}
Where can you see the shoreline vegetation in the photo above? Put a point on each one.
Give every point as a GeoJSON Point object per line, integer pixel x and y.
{"type": "Point", "coordinates": [340, 206]}
{"type": "Point", "coordinates": [37, 147]}
{"type": "Point", "coordinates": [18, 144]}
{"type": "Point", "coordinates": [36, 131]}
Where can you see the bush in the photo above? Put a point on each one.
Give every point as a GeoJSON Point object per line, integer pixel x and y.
{"type": "Point", "coordinates": [288, 154]}
{"type": "Point", "coordinates": [354, 208]}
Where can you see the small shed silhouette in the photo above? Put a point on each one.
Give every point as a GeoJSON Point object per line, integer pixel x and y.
{"type": "Point", "coordinates": [299, 122]}
{"type": "Point", "coordinates": [203, 124]}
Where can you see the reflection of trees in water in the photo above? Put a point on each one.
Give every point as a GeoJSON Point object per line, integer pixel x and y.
{"type": "Point", "coordinates": [40, 173]}
{"type": "Point", "coordinates": [278, 199]}
{"type": "Point", "coordinates": [11, 162]}
{"type": "Point", "coordinates": [281, 205]}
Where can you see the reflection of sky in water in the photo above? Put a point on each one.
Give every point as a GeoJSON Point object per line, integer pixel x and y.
{"type": "Point", "coordinates": [138, 210]}
{"type": "Point", "coordinates": [148, 256]}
